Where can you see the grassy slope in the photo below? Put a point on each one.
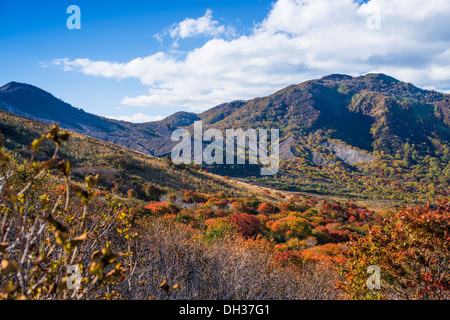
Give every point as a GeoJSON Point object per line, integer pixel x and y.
{"type": "Point", "coordinates": [125, 165]}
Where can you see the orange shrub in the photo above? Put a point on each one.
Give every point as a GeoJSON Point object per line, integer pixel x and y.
{"type": "Point", "coordinates": [162, 208]}
{"type": "Point", "coordinates": [412, 249]}
{"type": "Point", "coordinates": [267, 208]}
{"type": "Point", "coordinates": [330, 252]}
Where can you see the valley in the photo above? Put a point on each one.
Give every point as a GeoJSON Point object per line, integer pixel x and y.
{"type": "Point", "coordinates": [360, 157]}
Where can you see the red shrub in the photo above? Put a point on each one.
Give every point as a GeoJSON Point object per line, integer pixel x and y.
{"type": "Point", "coordinates": [247, 224]}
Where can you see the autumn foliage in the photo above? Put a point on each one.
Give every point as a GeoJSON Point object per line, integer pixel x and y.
{"type": "Point", "coordinates": [412, 249]}
{"type": "Point", "coordinates": [198, 245]}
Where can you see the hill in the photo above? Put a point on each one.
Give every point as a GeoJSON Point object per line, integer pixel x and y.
{"type": "Point", "coordinates": [367, 137]}
{"type": "Point", "coordinates": [359, 138]}
{"type": "Point", "coordinates": [34, 103]}
{"type": "Point", "coordinates": [120, 169]}
{"type": "Point", "coordinates": [373, 112]}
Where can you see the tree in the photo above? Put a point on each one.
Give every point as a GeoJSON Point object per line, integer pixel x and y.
{"type": "Point", "coordinates": [132, 194]}
{"type": "Point", "coordinates": [52, 248]}
{"type": "Point", "coordinates": [153, 193]}
{"type": "Point", "coordinates": [412, 250]}
{"type": "Point", "coordinates": [172, 198]}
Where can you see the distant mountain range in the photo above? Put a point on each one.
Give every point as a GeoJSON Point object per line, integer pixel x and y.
{"type": "Point", "coordinates": [354, 117]}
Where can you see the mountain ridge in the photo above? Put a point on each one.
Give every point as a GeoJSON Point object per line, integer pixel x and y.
{"type": "Point", "coordinates": [366, 137]}
{"type": "Point", "coordinates": [374, 112]}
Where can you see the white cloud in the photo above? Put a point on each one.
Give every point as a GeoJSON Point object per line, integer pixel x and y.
{"type": "Point", "coordinates": [192, 27]}
{"type": "Point", "coordinates": [298, 40]}
{"type": "Point", "coordinates": [137, 118]}
{"type": "Point", "coordinates": [204, 25]}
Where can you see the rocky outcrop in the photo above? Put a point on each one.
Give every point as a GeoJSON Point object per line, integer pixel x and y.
{"type": "Point", "coordinates": [347, 154]}
{"type": "Point", "coordinates": [285, 149]}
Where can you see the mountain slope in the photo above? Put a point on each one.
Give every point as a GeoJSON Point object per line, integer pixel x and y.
{"type": "Point", "coordinates": [370, 137]}
{"type": "Point", "coordinates": [373, 112]}
{"type": "Point", "coordinates": [34, 103]}
{"type": "Point", "coordinates": [119, 168]}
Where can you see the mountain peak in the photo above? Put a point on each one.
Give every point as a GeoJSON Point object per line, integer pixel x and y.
{"type": "Point", "coordinates": [379, 77]}
{"type": "Point", "coordinates": [13, 85]}
{"type": "Point", "coordinates": [180, 119]}
{"type": "Point", "coordinates": [337, 77]}
{"type": "Point", "coordinates": [374, 77]}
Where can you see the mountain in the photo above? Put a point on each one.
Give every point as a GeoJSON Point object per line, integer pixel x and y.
{"type": "Point", "coordinates": [370, 136]}
{"type": "Point", "coordinates": [367, 113]}
{"type": "Point", "coordinates": [34, 103]}
{"type": "Point", "coordinates": [120, 169]}
{"type": "Point", "coordinates": [373, 112]}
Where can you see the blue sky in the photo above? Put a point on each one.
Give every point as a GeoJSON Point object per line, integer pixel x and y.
{"type": "Point", "coordinates": [143, 60]}
{"type": "Point", "coordinates": [35, 32]}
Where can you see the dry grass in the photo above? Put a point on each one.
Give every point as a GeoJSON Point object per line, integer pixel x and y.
{"type": "Point", "coordinates": [225, 270]}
